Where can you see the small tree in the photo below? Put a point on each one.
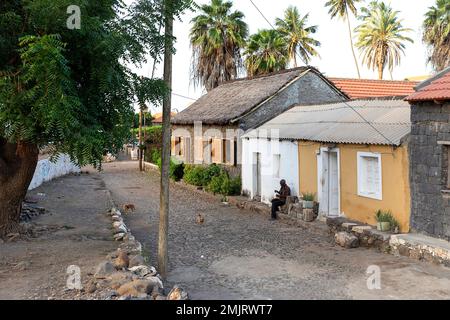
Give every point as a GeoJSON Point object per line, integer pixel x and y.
{"type": "Point", "coordinates": [69, 88]}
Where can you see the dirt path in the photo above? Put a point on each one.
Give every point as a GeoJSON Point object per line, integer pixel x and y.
{"type": "Point", "coordinates": [74, 231]}
{"type": "Point", "coordinates": [239, 255]}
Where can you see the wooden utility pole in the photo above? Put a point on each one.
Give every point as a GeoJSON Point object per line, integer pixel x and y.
{"type": "Point", "coordinates": [141, 145]}
{"type": "Point", "coordinates": [165, 156]}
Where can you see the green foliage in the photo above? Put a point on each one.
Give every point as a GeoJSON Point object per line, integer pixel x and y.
{"type": "Point", "coordinates": [266, 52]}
{"type": "Point", "coordinates": [156, 157]}
{"type": "Point", "coordinates": [381, 37]}
{"type": "Point", "coordinates": [216, 184]}
{"type": "Point", "coordinates": [176, 170]}
{"type": "Point", "coordinates": [387, 216]}
{"type": "Point", "coordinates": [436, 34]}
{"type": "Point", "coordinates": [213, 178]}
{"type": "Point", "coordinates": [298, 35]}
{"type": "Point", "coordinates": [309, 196]}
{"type": "Point", "coordinates": [148, 120]}
{"type": "Point", "coordinates": [195, 175]}
{"type": "Point", "coordinates": [153, 134]}
{"type": "Point", "coordinates": [73, 89]}
{"type": "Point", "coordinates": [217, 36]}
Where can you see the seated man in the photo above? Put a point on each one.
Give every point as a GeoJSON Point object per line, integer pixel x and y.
{"type": "Point", "coordinates": [280, 200]}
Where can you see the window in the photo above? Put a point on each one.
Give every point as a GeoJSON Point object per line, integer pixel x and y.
{"type": "Point", "coordinates": [276, 165]}
{"type": "Point", "coordinates": [228, 151]}
{"type": "Point", "coordinates": [369, 175]}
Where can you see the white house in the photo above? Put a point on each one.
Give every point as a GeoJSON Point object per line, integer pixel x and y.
{"type": "Point", "coordinates": [265, 161]}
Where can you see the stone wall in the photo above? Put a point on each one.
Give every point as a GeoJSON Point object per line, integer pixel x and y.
{"type": "Point", "coordinates": [430, 203]}
{"type": "Point", "coordinates": [47, 170]}
{"type": "Point", "coordinates": [309, 89]}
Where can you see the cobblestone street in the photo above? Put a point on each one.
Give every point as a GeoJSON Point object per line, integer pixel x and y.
{"type": "Point", "coordinates": [240, 255]}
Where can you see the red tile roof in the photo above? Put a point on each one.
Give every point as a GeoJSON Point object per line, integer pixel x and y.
{"type": "Point", "coordinates": [363, 88]}
{"type": "Point", "coordinates": [437, 90]}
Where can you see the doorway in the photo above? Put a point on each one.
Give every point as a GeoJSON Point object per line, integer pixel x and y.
{"type": "Point", "coordinates": [329, 190]}
{"type": "Point", "coordinates": [257, 175]}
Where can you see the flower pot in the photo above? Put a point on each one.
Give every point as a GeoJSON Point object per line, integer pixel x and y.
{"type": "Point", "coordinates": [384, 226]}
{"type": "Point", "coordinates": [308, 204]}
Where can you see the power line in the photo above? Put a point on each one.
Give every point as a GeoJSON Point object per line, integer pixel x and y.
{"type": "Point", "coordinates": [185, 97]}
{"type": "Point", "coordinates": [359, 114]}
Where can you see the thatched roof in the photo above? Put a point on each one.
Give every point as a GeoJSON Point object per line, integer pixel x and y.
{"type": "Point", "coordinates": [234, 99]}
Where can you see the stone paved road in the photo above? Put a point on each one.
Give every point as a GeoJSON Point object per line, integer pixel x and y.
{"type": "Point", "coordinates": [240, 255]}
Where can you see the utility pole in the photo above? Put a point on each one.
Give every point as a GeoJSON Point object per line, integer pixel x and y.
{"type": "Point", "coordinates": [165, 156]}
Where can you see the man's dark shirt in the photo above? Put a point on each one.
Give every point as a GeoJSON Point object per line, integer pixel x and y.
{"type": "Point", "coordinates": [285, 192]}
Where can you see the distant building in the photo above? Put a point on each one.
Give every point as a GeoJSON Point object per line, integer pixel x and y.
{"type": "Point", "coordinates": [220, 116]}
{"type": "Point", "coordinates": [158, 118]}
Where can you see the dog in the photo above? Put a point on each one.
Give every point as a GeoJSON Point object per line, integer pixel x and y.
{"type": "Point", "coordinates": [129, 207]}
{"type": "Point", "coordinates": [200, 219]}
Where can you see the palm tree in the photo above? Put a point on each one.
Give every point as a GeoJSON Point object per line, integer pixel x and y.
{"type": "Point", "coordinates": [217, 37]}
{"type": "Point", "coordinates": [436, 34]}
{"type": "Point", "coordinates": [342, 8]}
{"type": "Point", "coordinates": [298, 35]}
{"type": "Point", "coordinates": [381, 37]}
{"type": "Point", "coordinates": [267, 51]}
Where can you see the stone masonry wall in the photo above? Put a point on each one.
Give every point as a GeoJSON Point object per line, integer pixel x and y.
{"type": "Point", "coordinates": [309, 89]}
{"type": "Point", "coordinates": [430, 204]}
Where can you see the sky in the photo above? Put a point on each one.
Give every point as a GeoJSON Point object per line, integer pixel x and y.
{"type": "Point", "coordinates": [335, 60]}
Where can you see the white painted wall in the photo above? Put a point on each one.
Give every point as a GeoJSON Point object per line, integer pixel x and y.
{"type": "Point", "coordinates": [288, 152]}
{"type": "Point", "coordinates": [47, 170]}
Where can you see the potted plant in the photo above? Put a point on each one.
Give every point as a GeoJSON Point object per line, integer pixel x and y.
{"type": "Point", "coordinates": [386, 221]}
{"type": "Point", "coordinates": [308, 200]}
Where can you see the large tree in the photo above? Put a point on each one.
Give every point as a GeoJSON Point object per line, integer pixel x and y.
{"type": "Point", "coordinates": [436, 34]}
{"type": "Point", "coordinates": [381, 37]}
{"type": "Point", "coordinates": [298, 35]}
{"type": "Point", "coordinates": [217, 36]}
{"type": "Point", "coordinates": [266, 52]}
{"type": "Point", "coordinates": [69, 88]}
{"type": "Point", "coordinates": [342, 9]}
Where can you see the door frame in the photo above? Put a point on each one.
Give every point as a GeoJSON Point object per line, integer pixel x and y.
{"type": "Point", "coordinates": [320, 157]}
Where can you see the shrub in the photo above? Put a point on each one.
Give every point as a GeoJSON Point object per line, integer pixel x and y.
{"type": "Point", "coordinates": [213, 170]}
{"type": "Point", "coordinates": [309, 196]}
{"type": "Point", "coordinates": [194, 175]}
{"type": "Point", "coordinates": [216, 184]}
{"type": "Point", "coordinates": [176, 170]}
{"type": "Point", "coordinates": [387, 216]}
{"type": "Point", "coordinates": [156, 157]}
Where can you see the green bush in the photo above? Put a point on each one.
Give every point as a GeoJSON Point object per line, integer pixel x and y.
{"type": "Point", "coordinates": [387, 216]}
{"type": "Point", "coordinates": [213, 178]}
{"type": "Point", "coordinates": [217, 183]}
{"type": "Point", "coordinates": [309, 196]}
{"type": "Point", "coordinates": [194, 175]}
{"type": "Point", "coordinates": [176, 170]}
{"type": "Point", "coordinates": [156, 157]}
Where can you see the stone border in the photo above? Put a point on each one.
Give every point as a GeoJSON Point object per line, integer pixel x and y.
{"type": "Point", "coordinates": [125, 275]}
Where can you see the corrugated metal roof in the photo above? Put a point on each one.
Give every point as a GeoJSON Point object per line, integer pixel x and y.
{"type": "Point", "coordinates": [339, 123]}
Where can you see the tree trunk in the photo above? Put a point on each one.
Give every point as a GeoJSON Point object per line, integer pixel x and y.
{"type": "Point", "coordinates": [17, 165]}
{"type": "Point", "coordinates": [351, 44]}
{"type": "Point", "coordinates": [163, 259]}
{"type": "Point", "coordinates": [141, 145]}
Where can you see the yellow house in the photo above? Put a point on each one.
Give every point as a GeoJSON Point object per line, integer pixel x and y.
{"type": "Point", "coordinates": [352, 155]}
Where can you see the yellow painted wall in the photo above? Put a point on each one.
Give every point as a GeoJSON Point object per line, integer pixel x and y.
{"type": "Point", "coordinates": [395, 181]}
